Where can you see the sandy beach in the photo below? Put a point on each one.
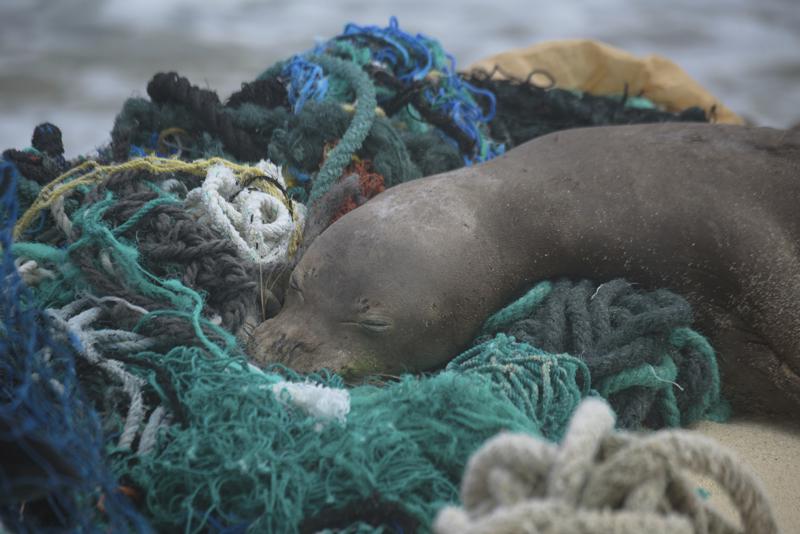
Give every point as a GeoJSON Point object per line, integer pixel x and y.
{"type": "Point", "coordinates": [772, 450]}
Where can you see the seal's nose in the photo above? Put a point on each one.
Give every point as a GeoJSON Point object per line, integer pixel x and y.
{"type": "Point", "coordinates": [278, 345]}
{"type": "Point", "coordinates": [279, 340]}
{"type": "Point", "coordinates": [300, 345]}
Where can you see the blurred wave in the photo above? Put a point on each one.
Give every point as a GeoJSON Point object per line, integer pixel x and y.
{"type": "Point", "coordinates": [73, 62]}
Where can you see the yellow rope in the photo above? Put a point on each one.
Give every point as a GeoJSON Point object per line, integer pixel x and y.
{"type": "Point", "coordinates": [297, 236]}
{"type": "Point", "coordinates": [97, 173]}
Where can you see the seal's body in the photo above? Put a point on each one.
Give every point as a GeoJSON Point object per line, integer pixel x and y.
{"type": "Point", "coordinates": [711, 212]}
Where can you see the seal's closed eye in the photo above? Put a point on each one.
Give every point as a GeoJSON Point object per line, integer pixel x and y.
{"type": "Point", "coordinates": [294, 283]}
{"type": "Point", "coordinates": [376, 323]}
{"type": "Point", "coordinates": [373, 323]}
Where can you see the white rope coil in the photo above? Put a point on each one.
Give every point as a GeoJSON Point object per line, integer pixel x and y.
{"type": "Point", "coordinates": [258, 223]}
{"type": "Point", "coordinates": [601, 481]}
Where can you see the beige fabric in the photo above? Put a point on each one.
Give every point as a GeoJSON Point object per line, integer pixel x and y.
{"type": "Point", "coordinates": [599, 68]}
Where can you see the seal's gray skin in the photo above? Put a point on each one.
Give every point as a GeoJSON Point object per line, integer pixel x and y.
{"type": "Point", "coordinates": [404, 282]}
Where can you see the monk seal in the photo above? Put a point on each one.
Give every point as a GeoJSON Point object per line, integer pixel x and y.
{"type": "Point", "coordinates": [404, 282]}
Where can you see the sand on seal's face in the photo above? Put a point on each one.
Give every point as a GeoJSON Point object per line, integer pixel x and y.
{"type": "Point", "coordinates": [772, 450]}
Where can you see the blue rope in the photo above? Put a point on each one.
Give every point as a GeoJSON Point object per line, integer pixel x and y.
{"type": "Point", "coordinates": [400, 43]}
{"type": "Point", "coordinates": [47, 427]}
{"type": "Point", "coordinates": [307, 81]}
{"type": "Point", "coordinates": [412, 58]}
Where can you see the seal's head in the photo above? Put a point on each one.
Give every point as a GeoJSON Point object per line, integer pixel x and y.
{"type": "Point", "coordinates": [368, 299]}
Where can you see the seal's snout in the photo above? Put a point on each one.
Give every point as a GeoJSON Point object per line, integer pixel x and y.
{"type": "Point", "coordinates": [281, 346]}
{"type": "Point", "coordinates": [302, 346]}
{"type": "Point", "coordinates": [281, 341]}
{"type": "Point", "coordinates": [278, 345]}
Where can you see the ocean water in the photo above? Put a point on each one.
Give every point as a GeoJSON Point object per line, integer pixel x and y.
{"type": "Point", "coordinates": [74, 62]}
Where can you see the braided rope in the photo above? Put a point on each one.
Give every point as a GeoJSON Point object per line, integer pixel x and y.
{"type": "Point", "coordinates": [261, 226]}
{"type": "Point", "coordinates": [359, 128]}
{"type": "Point", "coordinates": [601, 481]}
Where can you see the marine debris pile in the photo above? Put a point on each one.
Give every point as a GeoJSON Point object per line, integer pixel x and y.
{"type": "Point", "coordinates": [132, 278]}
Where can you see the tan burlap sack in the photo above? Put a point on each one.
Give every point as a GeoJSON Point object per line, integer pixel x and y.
{"type": "Point", "coordinates": [599, 68]}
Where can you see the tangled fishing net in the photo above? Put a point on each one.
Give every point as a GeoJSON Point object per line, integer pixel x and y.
{"type": "Point", "coordinates": [132, 279]}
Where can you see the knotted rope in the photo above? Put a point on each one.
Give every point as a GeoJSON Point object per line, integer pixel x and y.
{"type": "Point", "coordinates": [601, 481]}
{"type": "Point", "coordinates": [258, 223]}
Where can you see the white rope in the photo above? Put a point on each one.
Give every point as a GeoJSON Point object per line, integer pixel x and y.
{"type": "Point", "coordinates": [320, 402]}
{"type": "Point", "coordinates": [258, 223]}
{"type": "Point", "coordinates": [31, 272]}
{"type": "Point", "coordinates": [60, 216]}
{"type": "Point", "coordinates": [601, 481]}
{"type": "Point", "coordinates": [118, 300]}
{"type": "Point", "coordinates": [158, 419]}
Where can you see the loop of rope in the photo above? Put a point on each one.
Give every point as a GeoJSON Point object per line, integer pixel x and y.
{"type": "Point", "coordinates": [260, 225]}
{"type": "Point", "coordinates": [599, 481]}
{"type": "Point", "coordinates": [78, 318]}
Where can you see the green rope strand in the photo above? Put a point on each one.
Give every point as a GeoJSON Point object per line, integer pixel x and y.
{"type": "Point", "coordinates": [359, 128]}
{"type": "Point", "coordinates": [518, 309]}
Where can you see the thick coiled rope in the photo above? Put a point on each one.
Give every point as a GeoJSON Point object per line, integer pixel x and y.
{"type": "Point", "coordinates": [600, 481]}
{"type": "Point", "coordinates": [260, 224]}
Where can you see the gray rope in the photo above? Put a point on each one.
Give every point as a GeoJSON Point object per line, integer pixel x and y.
{"type": "Point", "coordinates": [158, 419]}
{"type": "Point", "coordinates": [601, 481]}
{"type": "Point", "coordinates": [60, 217]}
{"type": "Point", "coordinates": [78, 318]}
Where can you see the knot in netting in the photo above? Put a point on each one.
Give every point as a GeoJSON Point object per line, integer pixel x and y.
{"type": "Point", "coordinates": [601, 481]}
